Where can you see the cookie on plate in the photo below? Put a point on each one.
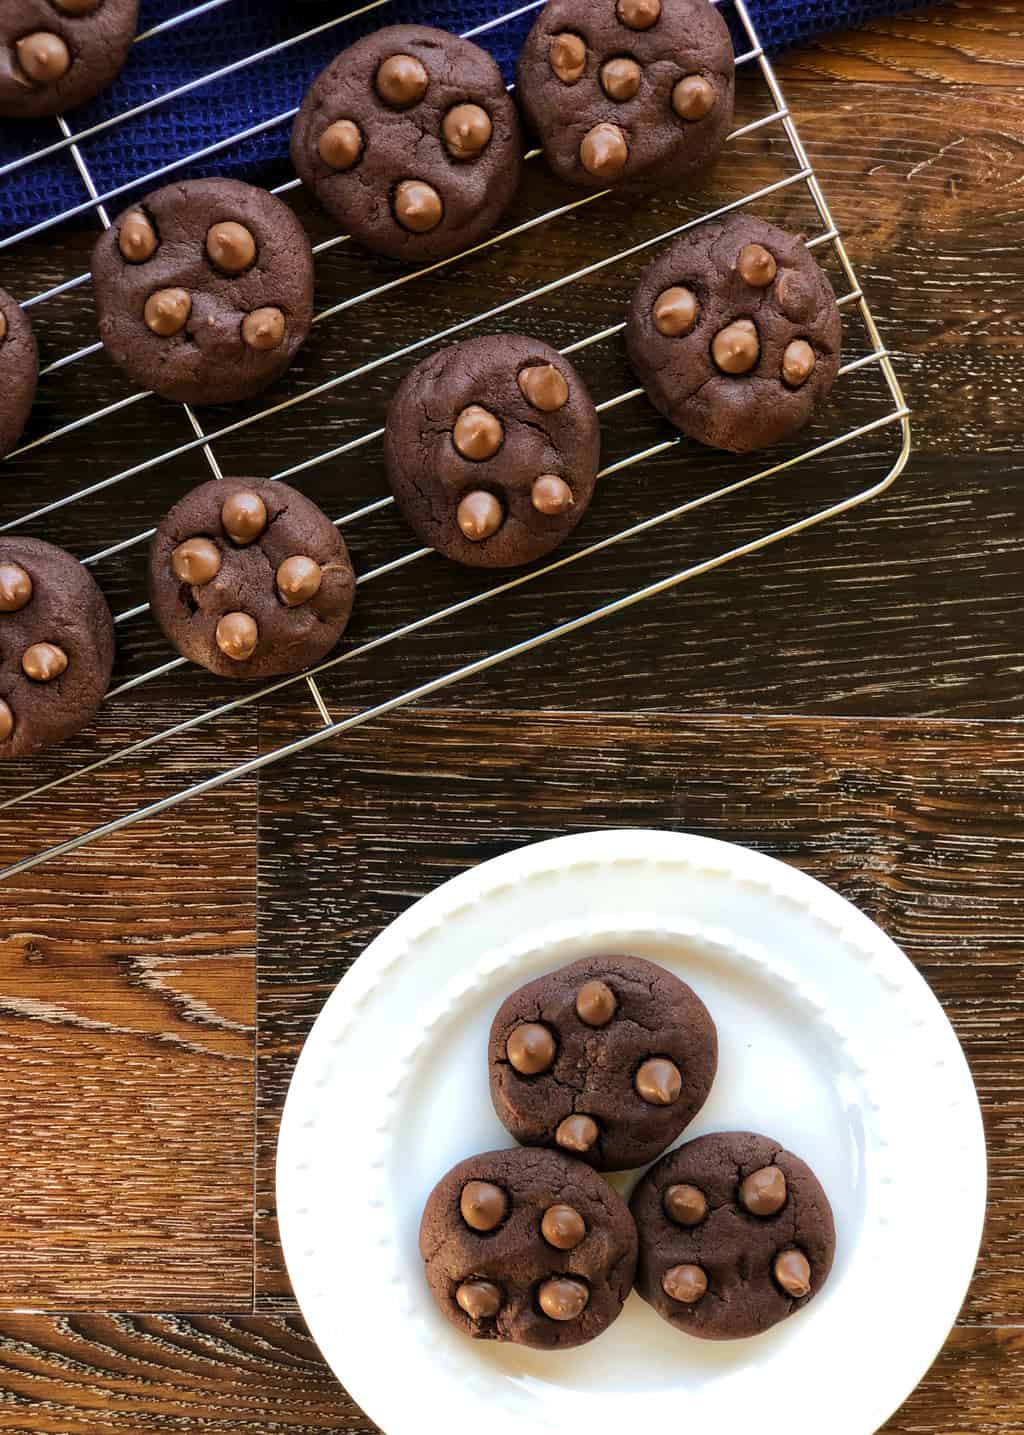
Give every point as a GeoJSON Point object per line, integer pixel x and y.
{"type": "Point", "coordinates": [19, 371]}
{"type": "Point", "coordinates": [204, 290]}
{"type": "Point", "coordinates": [735, 1235]}
{"type": "Point", "coordinates": [56, 645]}
{"type": "Point", "coordinates": [529, 1247]}
{"type": "Point", "coordinates": [250, 579]}
{"type": "Point", "coordinates": [492, 450]}
{"type": "Point", "coordinates": [735, 334]}
{"type": "Point", "coordinates": [608, 1058]}
{"type": "Point", "coordinates": [410, 140]}
{"type": "Point", "coordinates": [628, 93]}
{"type": "Point", "coordinates": [56, 54]}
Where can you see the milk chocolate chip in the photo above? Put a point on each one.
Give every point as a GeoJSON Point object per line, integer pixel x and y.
{"type": "Point", "coordinates": [341, 144]}
{"type": "Point", "coordinates": [639, 14]}
{"type": "Point", "coordinates": [237, 636]}
{"type": "Point", "coordinates": [531, 1048]}
{"type": "Point", "coordinates": [230, 246]}
{"type": "Point", "coordinates": [401, 81]}
{"type": "Point", "coordinates": [483, 1205]}
{"type": "Point", "coordinates": [793, 1273]}
{"type": "Point", "coordinates": [563, 1227]}
{"type": "Point", "coordinates": [693, 97]}
{"type": "Point", "coordinates": [798, 363]}
{"type": "Point", "coordinates": [659, 1081]}
{"type": "Point", "coordinates": [481, 1300]}
{"type": "Point", "coordinates": [620, 78]}
{"type": "Point", "coordinates": [595, 1003]}
{"type": "Point", "coordinates": [418, 206]}
{"type": "Point", "coordinates": [563, 1299]}
{"type": "Point", "coordinates": [6, 721]}
{"type": "Point", "coordinates": [263, 328]}
{"type": "Point", "coordinates": [685, 1284]}
{"type": "Point", "coordinates": [479, 515]}
{"type": "Point", "coordinates": [136, 238]}
{"type": "Point", "coordinates": [544, 387]}
{"type": "Point", "coordinates": [551, 495]}
{"type": "Point", "coordinates": [43, 662]}
{"type": "Point", "coordinates": [686, 1205]}
{"type": "Point", "coordinates": [244, 516]}
{"type": "Point", "coordinates": [467, 131]}
{"type": "Point", "coordinates": [43, 57]}
{"type": "Point", "coordinates": [196, 561]}
{"type": "Point", "coordinates": [763, 1192]}
{"type": "Point", "coordinates": [298, 579]}
{"type": "Point", "coordinates": [675, 311]}
{"type": "Point", "coordinates": [604, 151]}
{"type": "Point", "coordinates": [577, 1133]}
{"type": "Point", "coordinates": [736, 348]}
{"type": "Point", "coordinates": [477, 434]}
{"type": "Point", "coordinates": [15, 587]}
{"type": "Point", "coordinates": [167, 311]}
{"type": "Point", "coordinates": [756, 266]}
{"type": "Point", "coordinates": [568, 57]}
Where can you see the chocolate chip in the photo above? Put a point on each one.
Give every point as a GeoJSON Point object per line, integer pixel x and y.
{"type": "Point", "coordinates": [551, 495]}
{"type": "Point", "coordinates": [544, 387]}
{"type": "Point", "coordinates": [756, 266]}
{"type": "Point", "coordinates": [563, 1299]}
{"type": "Point", "coordinates": [693, 97]}
{"type": "Point", "coordinates": [477, 434]}
{"type": "Point", "coordinates": [244, 516]}
{"type": "Point", "coordinates": [298, 579]}
{"type": "Point", "coordinates": [639, 14]}
{"type": "Point", "coordinates": [563, 1227]}
{"type": "Point", "coordinates": [196, 561]}
{"type": "Point", "coordinates": [736, 348]}
{"type": "Point", "coordinates": [166, 311]}
{"type": "Point", "coordinates": [263, 328]}
{"type": "Point", "coordinates": [401, 81]}
{"type": "Point", "coordinates": [467, 131]}
{"type": "Point", "coordinates": [15, 587]}
{"type": "Point", "coordinates": [685, 1284]}
{"type": "Point", "coordinates": [763, 1192]}
{"type": "Point", "coordinates": [483, 1205]}
{"type": "Point", "coordinates": [577, 1133]}
{"type": "Point", "coordinates": [237, 636]}
{"type": "Point", "coordinates": [620, 78]}
{"type": "Point", "coordinates": [595, 1003]}
{"type": "Point", "coordinates": [675, 311]}
{"type": "Point", "coordinates": [531, 1048]}
{"type": "Point", "coordinates": [568, 57]}
{"type": "Point", "coordinates": [481, 1300]}
{"type": "Point", "coordinates": [479, 515]}
{"type": "Point", "coordinates": [686, 1205]}
{"type": "Point", "coordinates": [793, 1273]}
{"type": "Point", "coordinates": [341, 144]}
{"type": "Point", "coordinates": [6, 721]}
{"type": "Point", "coordinates": [604, 151]}
{"type": "Point", "coordinates": [418, 206]}
{"type": "Point", "coordinates": [230, 246]}
{"type": "Point", "coordinates": [136, 237]}
{"type": "Point", "coordinates": [43, 57]}
{"type": "Point", "coordinates": [42, 662]}
{"type": "Point", "coordinates": [798, 363]}
{"type": "Point", "coordinates": [659, 1081]}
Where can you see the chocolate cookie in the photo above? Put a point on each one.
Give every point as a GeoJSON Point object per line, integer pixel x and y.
{"type": "Point", "coordinates": [735, 333]}
{"type": "Point", "coordinates": [19, 370]}
{"type": "Point", "coordinates": [250, 579]}
{"type": "Point", "coordinates": [608, 1058]}
{"type": "Point", "coordinates": [409, 139]}
{"type": "Point", "coordinates": [735, 1235]}
{"type": "Point", "coordinates": [56, 645]}
{"type": "Point", "coordinates": [204, 290]}
{"type": "Point", "coordinates": [529, 1247]}
{"type": "Point", "coordinates": [628, 93]}
{"type": "Point", "coordinates": [56, 54]}
{"type": "Point", "coordinates": [492, 450]}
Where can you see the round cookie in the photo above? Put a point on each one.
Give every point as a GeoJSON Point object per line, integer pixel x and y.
{"type": "Point", "coordinates": [735, 334]}
{"type": "Point", "coordinates": [56, 645]}
{"type": "Point", "coordinates": [529, 1247]}
{"type": "Point", "coordinates": [204, 290]}
{"type": "Point", "coordinates": [19, 370]}
{"type": "Point", "coordinates": [250, 579]}
{"type": "Point", "coordinates": [735, 1235]}
{"type": "Point", "coordinates": [608, 1058]}
{"type": "Point", "coordinates": [628, 93]}
{"type": "Point", "coordinates": [56, 54]}
{"type": "Point", "coordinates": [410, 140]}
{"type": "Point", "coordinates": [492, 450]}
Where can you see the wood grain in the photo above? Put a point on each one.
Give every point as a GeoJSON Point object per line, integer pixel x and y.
{"type": "Point", "coordinates": [153, 1375]}
{"type": "Point", "coordinates": [918, 824]}
{"type": "Point", "coordinates": [127, 1008]}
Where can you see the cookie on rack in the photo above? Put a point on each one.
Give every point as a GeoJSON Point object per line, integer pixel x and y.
{"type": "Point", "coordinates": [608, 1059]}
{"type": "Point", "coordinates": [735, 1235]}
{"type": "Point", "coordinates": [492, 450]}
{"type": "Point", "coordinates": [735, 333]}
{"type": "Point", "coordinates": [204, 290]}
{"type": "Point", "coordinates": [19, 371]}
{"type": "Point", "coordinates": [628, 93]}
{"type": "Point", "coordinates": [410, 140]}
{"type": "Point", "coordinates": [529, 1247]}
{"type": "Point", "coordinates": [57, 54]}
{"type": "Point", "coordinates": [250, 579]}
{"type": "Point", "coordinates": [56, 645]}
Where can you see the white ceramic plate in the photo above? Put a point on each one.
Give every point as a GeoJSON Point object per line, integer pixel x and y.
{"type": "Point", "coordinates": [829, 1041]}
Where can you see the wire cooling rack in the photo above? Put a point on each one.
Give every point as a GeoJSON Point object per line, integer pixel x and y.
{"type": "Point", "coordinates": [750, 60]}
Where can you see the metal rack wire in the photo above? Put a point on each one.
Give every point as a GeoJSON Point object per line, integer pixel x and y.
{"type": "Point", "coordinates": [852, 301]}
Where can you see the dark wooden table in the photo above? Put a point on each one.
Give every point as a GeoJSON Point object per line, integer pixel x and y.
{"type": "Point", "coordinates": [849, 701]}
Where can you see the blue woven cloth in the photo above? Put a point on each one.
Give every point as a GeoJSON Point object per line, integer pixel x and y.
{"type": "Point", "coordinates": [256, 95]}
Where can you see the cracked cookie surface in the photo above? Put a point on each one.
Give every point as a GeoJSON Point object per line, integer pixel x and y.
{"type": "Point", "coordinates": [735, 334]}
{"type": "Point", "coordinates": [410, 140]}
{"type": "Point", "coordinates": [56, 54]}
{"type": "Point", "coordinates": [492, 450]}
{"type": "Point", "coordinates": [56, 645]}
{"type": "Point", "coordinates": [735, 1235]}
{"type": "Point", "coordinates": [204, 290]}
{"type": "Point", "coordinates": [628, 93]}
{"type": "Point", "coordinates": [19, 371]}
{"type": "Point", "coordinates": [250, 579]}
{"type": "Point", "coordinates": [528, 1246]}
{"type": "Point", "coordinates": [608, 1059]}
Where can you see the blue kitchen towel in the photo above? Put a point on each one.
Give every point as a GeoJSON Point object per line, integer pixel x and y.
{"type": "Point", "coordinates": [204, 53]}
